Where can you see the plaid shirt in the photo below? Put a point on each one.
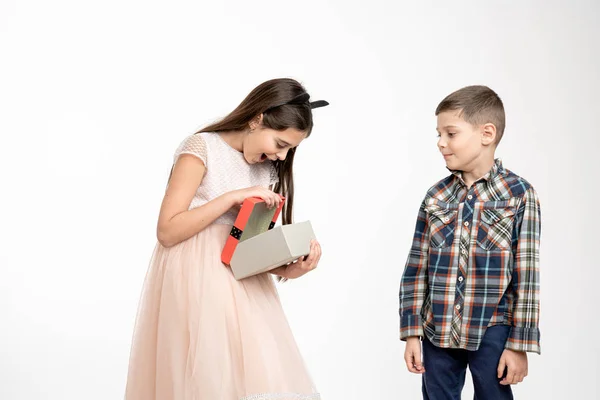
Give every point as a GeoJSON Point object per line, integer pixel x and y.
{"type": "Point", "coordinates": [474, 263]}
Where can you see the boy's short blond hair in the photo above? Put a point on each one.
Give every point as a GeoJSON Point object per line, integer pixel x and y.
{"type": "Point", "coordinates": [479, 105]}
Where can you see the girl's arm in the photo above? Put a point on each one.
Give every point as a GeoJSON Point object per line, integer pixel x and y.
{"type": "Point", "coordinates": [175, 222]}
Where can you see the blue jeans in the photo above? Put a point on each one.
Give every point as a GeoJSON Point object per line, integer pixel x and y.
{"type": "Point", "coordinates": [445, 369]}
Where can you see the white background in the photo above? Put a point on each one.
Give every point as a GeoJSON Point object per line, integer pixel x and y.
{"type": "Point", "coordinates": [96, 96]}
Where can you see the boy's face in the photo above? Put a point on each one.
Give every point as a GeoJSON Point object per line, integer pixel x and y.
{"type": "Point", "coordinates": [463, 145]}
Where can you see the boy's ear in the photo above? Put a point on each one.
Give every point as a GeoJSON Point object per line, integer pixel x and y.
{"type": "Point", "coordinates": [488, 134]}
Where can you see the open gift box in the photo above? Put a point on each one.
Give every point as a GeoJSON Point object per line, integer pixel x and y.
{"type": "Point", "coordinates": [255, 245]}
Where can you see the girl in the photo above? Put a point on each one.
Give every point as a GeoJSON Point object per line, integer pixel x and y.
{"type": "Point", "coordinates": [200, 334]}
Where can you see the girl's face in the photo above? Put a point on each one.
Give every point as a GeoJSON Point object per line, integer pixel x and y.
{"type": "Point", "coordinates": [268, 144]}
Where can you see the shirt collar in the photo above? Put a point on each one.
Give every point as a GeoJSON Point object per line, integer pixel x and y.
{"type": "Point", "coordinates": [497, 169]}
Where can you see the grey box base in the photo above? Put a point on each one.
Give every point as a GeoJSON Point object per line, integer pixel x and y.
{"type": "Point", "coordinates": [271, 249]}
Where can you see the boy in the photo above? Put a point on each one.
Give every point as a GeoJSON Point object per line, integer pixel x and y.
{"type": "Point", "coordinates": [470, 289]}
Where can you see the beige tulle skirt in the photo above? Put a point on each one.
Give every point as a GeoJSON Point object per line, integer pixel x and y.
{"type": "Point", "coordinates": [202, 335]}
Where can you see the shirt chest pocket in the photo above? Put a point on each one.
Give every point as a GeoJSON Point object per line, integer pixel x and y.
{"type": "Point", "coordinates": [442, 223]}
{"type": "Point", "coordinates": [495, 228]}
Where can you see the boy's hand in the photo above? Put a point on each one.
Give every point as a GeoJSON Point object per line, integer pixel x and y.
{"type": "Point", "coordinates": [412, 355]}
{"type": "Point", "coordinates": [515, 363]}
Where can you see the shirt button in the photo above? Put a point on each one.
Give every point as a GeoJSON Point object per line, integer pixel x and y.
{"type": "Point", "coordinates": [458, 306]}
{"type": "Point", "coordinates": [460, 278]}
{"type": "Point", "coordinates": [470, 197]}
{"type": "Point", "coordinates": [446, 219]}
{"type": "Point", "coordinates": [466, 223]}
{"type": "Point", "coordinates": [463, 251]}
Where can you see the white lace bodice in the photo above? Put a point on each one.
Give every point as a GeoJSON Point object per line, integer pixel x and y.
{"type": "Point", "coordinates": [226, 170]}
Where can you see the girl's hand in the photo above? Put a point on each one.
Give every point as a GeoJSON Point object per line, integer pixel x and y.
{"type": "Point", "coordinates": [271, 198]}
{"type": "Point", "coordinates": [301, 266]}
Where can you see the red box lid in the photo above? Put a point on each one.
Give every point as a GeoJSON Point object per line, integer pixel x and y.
{"type": "Point", "coordinates": [253, 219]}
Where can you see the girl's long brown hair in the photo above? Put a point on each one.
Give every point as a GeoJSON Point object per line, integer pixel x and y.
{"type": "Point", "coordinates": [271, 99]}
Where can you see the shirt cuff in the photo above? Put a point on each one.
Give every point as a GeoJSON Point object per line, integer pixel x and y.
{"type": "Point", "coordinates": [524, 339]}
{"type": "Point", "coordinates": [411, 325]}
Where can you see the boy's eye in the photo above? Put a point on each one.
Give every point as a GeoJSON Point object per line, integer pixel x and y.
{"type": "Point", "coordinates": [281, 145]}
{"type": "Point", "coordinates": [451, 134]}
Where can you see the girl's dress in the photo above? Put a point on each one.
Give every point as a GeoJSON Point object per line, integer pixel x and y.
{"type": "Point", "coordinates": [200, 334]}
